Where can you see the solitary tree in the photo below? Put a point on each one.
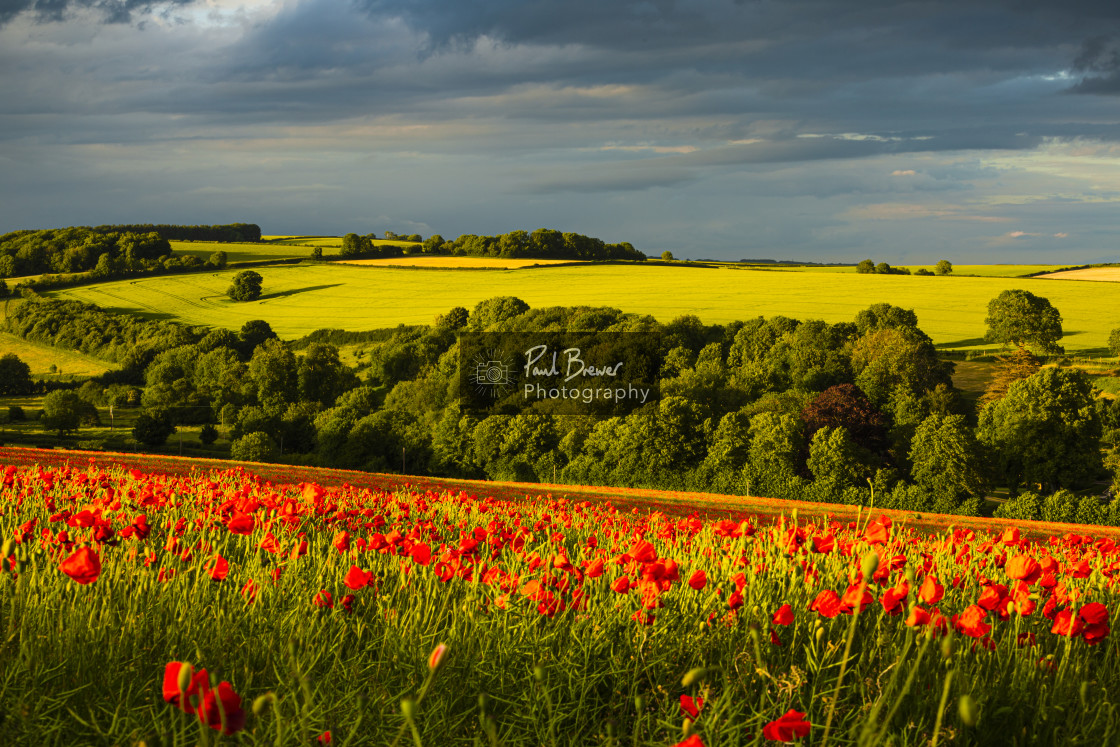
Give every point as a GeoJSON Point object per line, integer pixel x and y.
{"type": "Point", "coordinates": [667, 255]}
{"type": "Point", "coordinates": [1020, 317]}
{"type": "Point", "coordinates": [866, 267]}
{"type": "Point", "coordinates": [15, 375]}
{"type": "Point", "coordinates": [246, 286]}
{"type": "Point", "coordinates": [62, 412]}
{"type": "Point", "coordinates": [153, 428]}
{"type": "Point", "coordinates": [944, 267]}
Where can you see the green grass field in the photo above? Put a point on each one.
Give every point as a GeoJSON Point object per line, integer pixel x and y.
{"type": "Point", "coordinates": [300, 299]}
{"type": "Point", "coordinates": [270, 247]}
{"type": "Point", "coordinates": [240, 252]}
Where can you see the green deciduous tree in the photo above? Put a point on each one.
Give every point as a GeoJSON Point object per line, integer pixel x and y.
{"type": "Point", "coordinates": [1046, 431]}
{"type": "Point", "coordinates": [15, 375]}
{"type": "Point", "coordinates": [1114, 341]}
{"type": "Point", "coordinates": [667, 255]}
{"type": "Point", "coordinates": [246, 286]}
{"type": "Point", "coordinates": [866, 267]}
{"type": "Point", "coordinates": [1019, 317]}
{"type": "Point", "coordinates": [834, 459]}
{"type": "Point", "coordinates": [944, 267]}
{"type": "Point", "coordinates": [62, 411]}
{"type": "Point", "coordinates": [153, 428]}
{"type": "Point", "coordinates": [253, 447]}
{"type": "Point", "coordinates": [946, 458]}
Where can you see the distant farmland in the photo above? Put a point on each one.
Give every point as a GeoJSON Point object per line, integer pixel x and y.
{"type": "Point", "coordinates": [303, 298]}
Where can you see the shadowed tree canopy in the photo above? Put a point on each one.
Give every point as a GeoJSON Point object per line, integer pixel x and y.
{"type": "Point", "coordinates": [845, 405]}
{"type": "Point", "coordinates": [1019, 317]}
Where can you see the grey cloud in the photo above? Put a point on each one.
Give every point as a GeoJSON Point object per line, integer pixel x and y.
{"type": "Point", "coordinates": [111, 11]}
{"type": "Point", "coordinates": [1099, 60]}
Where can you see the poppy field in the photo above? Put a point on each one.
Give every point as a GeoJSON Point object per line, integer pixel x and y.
{"type": "Point", "coordinates": [221, 608]}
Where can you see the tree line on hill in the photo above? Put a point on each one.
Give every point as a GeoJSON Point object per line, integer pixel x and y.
{"type": "Point", "coordinates": [104, 255]}
{"type": "Point", "coordinates": [543, 243]}
{"type": "Point", "coordinates": [777, 407]}
{"type": "Point", "coordinates": [230, 232]}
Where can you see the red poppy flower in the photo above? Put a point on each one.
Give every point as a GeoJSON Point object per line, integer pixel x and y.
{"type": "Point", "coordinates": [789, 727]}
{"type": "Point", "coordinates": [195, 680]}
{"type": "Point", "coordinates": [692, 741]}
{"type": "Point", "coordinates": [971, 622]}
{"type": "Point", "coordinates": [690, 707]}
{"type": "Point", "coordinates": [211, 713]}
{"type": "Point", "coordinates": [241, 523]}
{"type": "Point", "coordinates": [1023, 567]}
{"type": "Point", "coordinates": [784, 616]}
{"type": "Point", "coordinates": [1067, 623]}
{"type": "Point", "coordinates": [341, 541]}
{"type": "Point", "coordinates": [621, 585]}
{"type": "Point", "coordinates": [1094, 613]}
{"type": "Point", "coordinates": [824, 543]}
{"type": "Point", "coordinates": [356, 578]}
{"type": "Point", "coordinates": [595, 568]}
{"type": "Point", "coordinates": [931, 592]}
{"type": "Point", "coordinates": [698, 580]}
{"type": "Point", "coordinates": [219, 568]}
{"type": "Point", "coordinates": [323, 599]}
{"type": "Point", "coordinates": [643, 551]}
{"type": "Point", "coordinates": [827, 604]}
{"type": "Point", "coordinates": [83, 566]}
{"type": "Point", "coordinates": [249, 591]}
{"type": "Point", "coordinates": [918, 616]}
{"type": "Point", "coordinates": [421, 554]}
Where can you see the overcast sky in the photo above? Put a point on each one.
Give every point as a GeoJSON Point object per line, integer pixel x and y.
{"type": "Point", "coordinates": [973, 130]}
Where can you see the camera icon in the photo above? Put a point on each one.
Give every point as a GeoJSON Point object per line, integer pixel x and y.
{"type": "Point", "coordinates": [493, 373]}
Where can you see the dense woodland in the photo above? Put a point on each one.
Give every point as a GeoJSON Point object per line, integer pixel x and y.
{"type": "Point", "coordinates": [240, 232]}
{"type": "Point", "coordinates": [850, 412]}
{"type": "Point", "coordinates": [104, 252]}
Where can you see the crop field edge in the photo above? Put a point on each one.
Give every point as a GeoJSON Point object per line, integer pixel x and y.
{"type": "Point", "coordinates": [666, 501]}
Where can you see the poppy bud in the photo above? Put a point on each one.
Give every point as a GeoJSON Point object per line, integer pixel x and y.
{"type": "Point", "coordinates": [482, 701]}
{"type": "Point", "coordinates": [538, 673]}
{"type": "Point", "coordinates": [6, 548]}
{"type": "Point", "coordinates": [692, 675]}
{"type": "Point", "coordinates": [967, 709]}
{"type": "Point", "coordinates": [437, 656]}
{"type": "Point", "coordinates": [261, 701]}
{"type": "Point", "coordinates": [819, 634]}
{"type": "Point", "coordinates": [947, 646]}
{"type": "Point", "coordinates": [185, 674]}
{"type": "Point", "coordinates": [909, 575]}
{"type": "Point", "coordinates": [639, 703]}
{"type": "Point", "coordinates": [408, 708]}
{"type": "Point", "coordinates": [869, 564]}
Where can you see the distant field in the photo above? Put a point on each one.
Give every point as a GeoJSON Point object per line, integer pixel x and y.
{"type": "Point", "coordinates": [421, 260]}
{"type": "Point", "coordinates": [69, 363]}
{"type": "Point", "coordinates": [986, 271]}
{"type": "Point", "coordinates": [301, 299]}
{"type": "Point", "coordinates": [1107, 274]}
{"type": "Point", "coordinates": [270, 247]}
{"type": "Point", "coordinates": [239, 252]}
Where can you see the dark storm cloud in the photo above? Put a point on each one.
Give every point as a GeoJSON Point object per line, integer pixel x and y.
{"type": "Point", "coordinates": [111, 11]}
{"type": "Point", "coordinates": [1099, 60]}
